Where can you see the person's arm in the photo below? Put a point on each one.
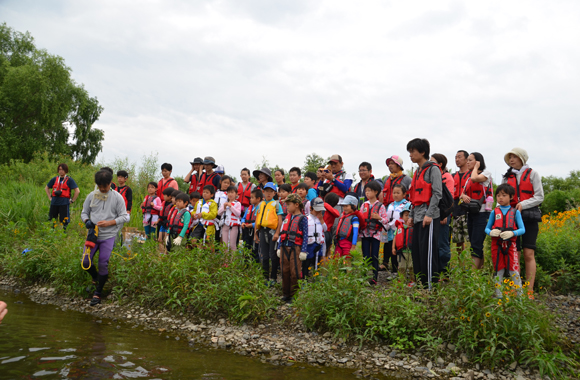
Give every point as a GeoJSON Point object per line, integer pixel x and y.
{"type": "Point", "coordinates": [490, 222]}
{"type": "Point", "coordinates": [355, 225]}
{"type": "Point", "coordinates": [520, 223]}
{"type": "Point", "coordinates": [236, 209]}
{"type": "Point", "coordinates": [277, 233]}
{"type": "Point", "coordinates": [476, 176]}
{"type": "Point", "coordinates": [331, 210]}
{"type": "Point", "coordinates": [76, 194]}
{"type": "Point", "coordinates": [384, 216]}
{"type": "Point", "coordinates": [186, 220]}
{"type": "Point", "coordinates": [187, 178]}
{"type": "Point", "coordinates": [86, 213]}
{"type": "Point", "coordinates": [174, 184]}
{"type": "Point", "coordinates": [48, 188]}
{"type": "Point", "coordinates": [157, 205]}
{"type": "Point", "coordinates": [437, 192]}
{"type": "Point", "coordinates": [304, 227]}
{"type": "Point", "coordinates": [343, 186]}
{"type": "Point", "coordinates": [3, 310]}
{"type": "Point", "coordinates": [538, 197]}
{"type": "Point", "coordinates": [129, 196]}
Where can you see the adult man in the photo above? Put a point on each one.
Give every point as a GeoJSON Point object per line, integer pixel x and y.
{"type": "Point", "coordinates": [335, 179]}
{"type": "Point", "coordinates": [459, 230]}
{"type": "Point", "coordinates": [104, 209]}
{"type": "Point", "coordinates": [59, 191]}
{"type": "Point", "coordinates": [210, 177]}
{"type": "Point", "coordinates": [395, 165]}
{"type": "Point", "coordinates": [167, 180]}
{"type": "Point", "coordinates": [365, 171]}
{"type": "Point", "coordinates": [194, 175]}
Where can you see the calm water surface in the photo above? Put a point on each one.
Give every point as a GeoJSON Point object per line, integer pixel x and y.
{"type": "Point", "coordinates": [42, 341]}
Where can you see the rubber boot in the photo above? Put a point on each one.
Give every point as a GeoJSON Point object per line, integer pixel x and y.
{"type": "Point", "coordinates": [101, 284]}
{"type": "Point", "coordinates": [93, 273]}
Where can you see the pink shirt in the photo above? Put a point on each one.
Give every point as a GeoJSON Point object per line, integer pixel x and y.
{"type": "Point", "coordinates": [447, 178]}
{"type": "Point", "coordinates": [384, 219]}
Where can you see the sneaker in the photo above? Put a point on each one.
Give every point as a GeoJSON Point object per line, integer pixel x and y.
{"type": "Point", "coordinates": [96, 301]}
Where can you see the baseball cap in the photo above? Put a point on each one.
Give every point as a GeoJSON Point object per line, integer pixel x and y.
{"type": "Point", "coordinates": [220, 169]}
{"type": "Point", "coordinates": [317, 204]}
{"type": "Point", "coordinates": [293, 198]}
{"type": "Point", "coordinates": [335, 158]}
{"type": "Point", "coordinates": [349, 200]}
{"type": "Point", "coordinates": [396, 159]}
{"type": "Point", "coordinates": [270, 185]}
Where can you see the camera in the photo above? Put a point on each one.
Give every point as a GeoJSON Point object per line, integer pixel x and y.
{"type": "Point", "coordinates": [57, 193]}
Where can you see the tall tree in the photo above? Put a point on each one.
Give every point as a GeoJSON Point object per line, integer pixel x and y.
{"type": "Point", "coordinates": [312, 162]}
{"type": "Point", "coordinates": [40, 102]}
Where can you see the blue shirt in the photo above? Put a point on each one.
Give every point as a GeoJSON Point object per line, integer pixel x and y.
{"type": "Point", "coordinates": [504, 209]}
{"type": "Point", "coordinates": [312, 193]}
{"type": "Point", "coordinates": [61, 201]}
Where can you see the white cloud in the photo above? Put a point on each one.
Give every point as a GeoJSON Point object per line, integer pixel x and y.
{"type": "Point", "coordinates": [242, 80]}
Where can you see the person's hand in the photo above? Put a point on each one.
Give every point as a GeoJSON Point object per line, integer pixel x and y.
{"type": "Point", "coordinates": [444, 221]}
{"type": "Point", "coordinates": [276, 236]}
{"type": "Point", "coordinates": [89, 224]}
{"type": "Point", "coordinates": [3, 310]}
{"type": "Point", "coordinates": [375, 215]}
{"type": "Point", "coordinates": [394, 253]}
{"type": "Point", "coordinates": [303, 256]}
{"type": "Point", "coordinates": [49, 198]}
{"type": "Point", "coordinates": [278, 253]}
{"type": "Point", "coordinates": [495, 232]}
{"type": "Point", "coordinates": [410, 222]}
{"type": "Point", "coordinates": [256, 238]}
{"type": "Point", "coordinates": [476, 166]}
{"type": "Point", "coordinates": [155, 222]}
{"type": "Point", "coordinates": [177, 241]}
{"type": "Point", "coordinates": [506, 235]}
{"type": "Point", "coordinates": [465, 198]}
{"type": "Point", "coordinates": [328, 174]}
{"type": "Point", "coordinates": [519, 207]}
{"type": "Point", "coordinates": [106, 223]}
{"type": "Point", "coordinates": [197, 216]}
{"type": "Point", "coordinates": [427, 220]}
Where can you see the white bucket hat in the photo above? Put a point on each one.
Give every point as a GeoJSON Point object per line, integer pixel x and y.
{"type": "Point", "coordinates": [520, 152]}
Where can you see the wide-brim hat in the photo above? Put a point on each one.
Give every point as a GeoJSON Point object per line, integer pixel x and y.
{"type": "Point", "coordinates": [197, 160]}
{"type": "Point", "coordinates": [520, 152]}
{"type": "Point", "coordinates": [209, 161]}
{"type": "Point", "coordinates": [396, 159]}
{"type": "Point", "coordinates": [266, 171]}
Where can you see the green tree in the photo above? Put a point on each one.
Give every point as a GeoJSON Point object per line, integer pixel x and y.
{"type": "Point", "coordinates": [312, 162]}
{"type": "Point", "coordinates": [41, 107]}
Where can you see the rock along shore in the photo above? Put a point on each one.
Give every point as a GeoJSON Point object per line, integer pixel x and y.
{"type": "Point", "coordinates": [283, 340]}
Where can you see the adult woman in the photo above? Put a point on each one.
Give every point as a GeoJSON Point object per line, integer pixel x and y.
{"type": "Point", "coordinates": [59, 191]}
{"type": "Point", "coordinates": [279, 177]}
{"type": "Point", "coordinates": [444, 238]}
{"type": "Point", "coordinates": [529, 195]}
{"type": "Point", "coordinates": [263, 176]}
{"type": "Point", "coordinates": [473, 196]}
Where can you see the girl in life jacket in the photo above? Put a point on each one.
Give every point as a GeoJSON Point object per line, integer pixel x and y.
{"type": "Point", "coordinates": [394, 210]}
{"type": "Point", "coordinates": [221, 197]}
{"type": "Point", "coordinates": [230, 212]}
{"type": "Point", "coordinates": [151, 208]}
{"type": "Point", "coordinates": [347, 229]}
{"type": "Point", "coordinates": [316, 239]}
{"type": "Point", "coordinates": [504, 225]}
{"type": "Point", "coordinates": [402, 243]}
{"type": "Point", "coordinates": [376, 221]}
{"type": "Point", "coordinates": [292, 246]}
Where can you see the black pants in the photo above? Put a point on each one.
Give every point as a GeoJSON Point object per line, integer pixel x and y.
{"type": "Point", "coordinates": [248, 239]}
{"type": "Point", "coordinates": [389, 257]}
{"type": "Point", "coordinates": [268, 253]}
{"type": "Point", "coordinates": [370, 250]}
{"type": "Point", "coordinates": [61, 213]}
{"type": "Point", "coordinates": [425, 252]}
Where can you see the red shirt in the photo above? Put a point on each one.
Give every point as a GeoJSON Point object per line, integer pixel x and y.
{"type": "Point", "coordinates": [330, 215]}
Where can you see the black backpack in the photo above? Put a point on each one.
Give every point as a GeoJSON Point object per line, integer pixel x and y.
{"type": "Point", "coordinates": [446, 201]}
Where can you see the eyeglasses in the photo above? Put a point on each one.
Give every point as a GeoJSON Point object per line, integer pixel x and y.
{"type": "Point", "coordinates": [363, 171]}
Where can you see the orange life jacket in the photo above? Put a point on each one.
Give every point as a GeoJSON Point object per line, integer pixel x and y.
{"type": "Point", "coordinates": [66, 190]}
{"type": "Point", "coordinates": [244, 194]}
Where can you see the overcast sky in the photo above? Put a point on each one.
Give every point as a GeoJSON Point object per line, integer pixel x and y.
{"type": "Point", "coordinates": [239, 80]}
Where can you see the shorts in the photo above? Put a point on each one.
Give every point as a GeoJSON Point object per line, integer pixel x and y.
{"type": "Point", "coordinates": [163, 229]}
{"type": "Point", "coordinates": [459, 229]}
{"type": "Point", "coordinates": [528, 240]}
{"type": "Point", "coordinates": [405, 260]}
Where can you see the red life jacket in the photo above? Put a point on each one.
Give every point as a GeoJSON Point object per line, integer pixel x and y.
{"type": "Point", "coordinates": [251, 216]}
{"type": "Point", "coordinates": [165, 214]}
{"type": "Point", "coordinates": [344, 229]}
{"type": "Point", "coordinates": [284, 209]}
{"type": "Point", "coordinates": [404, 236]}
{"type": "Point", "coordinates": [176, 221]}
{"type": "Point", "coordinates": [388, 189]}
{"type": "Point", "coordinates": [357, 186]}
{"type": "Point", "coordinates": [524, 189]}
{"type": "Point", "coordinates": [244, 194]}
{"type": "Point", "coordinates": [291, 230]}
{"type": "Point", "coordinates": [473, 191]}
{"type": "Point", "coordinates": [62, 187]}
{"type": "Point", "coordinates": [372, 224]}
{"type": "Point", "coordinates": [421, 190]}
{"type": "Point", "coordinates": [148, 208]}
{"type": "Point", "coordinates": [205, 180]}
{"type": "Point", "coordinates": [294, 188]}
{"type": "Point", "coordinates": [162, 186]}
{"type": "Point", "coordinates": [460, 180]}
{"type": "Point", "coordinates": [193, 184]}
{"type": "Point", "coordinates": [503, 222]}
{"type": "Point", "coordinates": [333, 189]}
{"type": "Point", "coordinates": [123, 192]}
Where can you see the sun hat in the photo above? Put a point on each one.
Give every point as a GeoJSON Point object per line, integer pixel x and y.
{"type": "Point", "coordinates": [270, 185]}
{"type": "Point", "coordinates": [197, 160]}
{"type": "Point", "coordinates": [209, 161]}
{"type": "Point", "coordinates": [349, 200]}
{"type": "Point", "coordinates": [266, 171]}
{"type": "Point", "coordinates": [396, 159]}
{"type": "Point", "coordinates": [317, 204]}
{"type": "Point", "coordinates": [520, 152]}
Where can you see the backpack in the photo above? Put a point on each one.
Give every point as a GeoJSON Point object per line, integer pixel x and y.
{"type": "Point", "coordinates": [446, 202]}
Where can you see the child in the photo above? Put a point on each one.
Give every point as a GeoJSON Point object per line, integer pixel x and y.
{"type": "Point", "coordinates": [125, 190]}
{"type": "Point", "coordinates": [249, 223]}
{"type": "Point", "coordinates": [283, 191]}
{"type": "Point", "coordinates": [267, 231]}
{"type": "Point", "coordinates": [180, 222]}
{"type": "Point", "coordinates": [330, 215]}
{"type": "Point", "coordinates": [151, 207]}
{"type": "Point", "coordinates": [230, 211]}
{"type": "Point", "coordinates": [504, 225]}
{"type": "Point", "coordinates": [293, 245]}
{"type": "Point", "coordinates": [193, 199]}
{"type": "Point", "coordinates": [206, 211]}
{"type": "Point", "coordinates": [302, 191]}
{"type": "Point", "coordinates": [310, 179]}
{"type": "Point", "coordinates": [347, 230]}
{"type": "Point", "coordinates": [294, 176]}
{"type": "Point", "coordinates": [401, 247]}
{"type": "Point", "coordinates": [376, 217]}
{"type": "Point", "coordinates": [166, 210]}
{"type": "Point", "coordinates": [316, 230]}
{"type": "Point", "coordinates": [394, 209]}
{"type": "Point", "coordinates": [221, 197]}
{"type": "Point", "coordinates": [245, 189]}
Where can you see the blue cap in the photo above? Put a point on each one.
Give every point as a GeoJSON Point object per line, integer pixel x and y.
{"type": "Point", "coordinates": [270, 185]}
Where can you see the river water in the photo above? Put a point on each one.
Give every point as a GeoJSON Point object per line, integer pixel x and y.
{"type": "Point", "coordinates": [42, 341]}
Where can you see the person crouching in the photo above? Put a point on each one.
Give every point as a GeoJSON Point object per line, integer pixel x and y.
{"type": "Point", "coordinates": [293, 245]}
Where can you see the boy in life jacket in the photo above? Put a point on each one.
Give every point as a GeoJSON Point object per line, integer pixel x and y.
{"type": "Point", "coordinates": [179, 223]}
{"type": "Point", "coordinates": [231, 211]}
{"type": "Point", "coordinates": [292, 248]}
{"type": "Point", "coordinates": [59, 190]}
{"type": "Point", "coordinates": [294, 175]}
{"type": "Point", "coordinates": [401, 247]}
{"type": "Point", "coordinates": [347, 230]}
{"type": "Point", "coordinates": [330, 215]}
{"type": "Point", "coordinates": [504, 225]}
{"type": "Point", "coordinates": [151, 208]}
{"type": "Point", "coordinates": [376, 221]}
{"type": "Point", "coordinates": [166, 210]}
{"type": "Point", "coordinates": [283, 191]}
{"type": "Point", "coordinates": [206, 213]}
{"type": "Point", "coordinates": [193, 199]}
{"type": "Point", "coordinates": [125, 190]}
{"type": "Point", "coordinates": [302, 191]}
{"type": "Point", "coordinates": [249, 223]}
{"type": "Point", "coordinates": [316, 230]}
{"type": "Point", "coordinates": [268, 223]}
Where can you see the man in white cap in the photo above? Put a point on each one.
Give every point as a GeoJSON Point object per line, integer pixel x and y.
{"type": "Point", "coordinates": [529, 196]}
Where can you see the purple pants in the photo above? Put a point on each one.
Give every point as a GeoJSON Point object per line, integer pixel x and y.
{"type": "Point", "coordinates": [105, 248]}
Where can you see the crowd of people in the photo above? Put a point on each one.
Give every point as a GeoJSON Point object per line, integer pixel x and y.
{"type": "Point", "coordinates": [290, 227]}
